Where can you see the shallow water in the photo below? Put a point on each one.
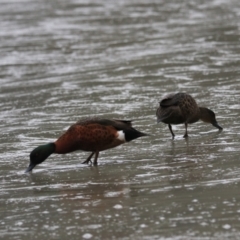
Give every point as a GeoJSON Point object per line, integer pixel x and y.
{"type": "Point", "coordinates": [64, 60]}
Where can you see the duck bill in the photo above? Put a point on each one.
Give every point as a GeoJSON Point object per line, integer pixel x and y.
{"type": "Point", "coordinates": [217, 126]}
{"type": "Point", "coordinates": [30, 167]}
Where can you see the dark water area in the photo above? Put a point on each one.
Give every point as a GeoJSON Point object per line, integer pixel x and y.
{"type": "Point", "coordinates": [65, 60]}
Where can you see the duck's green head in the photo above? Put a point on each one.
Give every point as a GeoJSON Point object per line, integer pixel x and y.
{"type": "Point", "coordinates": [40, 154]}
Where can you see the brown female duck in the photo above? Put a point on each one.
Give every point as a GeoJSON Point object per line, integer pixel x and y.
{"type": "Point", "coordinates": [91, 135]}
{"type": "Point", "coordinates": [182, 108]}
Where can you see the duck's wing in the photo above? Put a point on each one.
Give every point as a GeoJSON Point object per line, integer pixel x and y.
{"type": "Point", "coordinates": [169, 115]}
{"type": "Point", "coordinates": [117, 124]}
{"type": "Point", "coordinates": [169, 100]}
{"type": "Point", "coordinates": [163, 114]}
{"type": "Point", "coordinates": [126, 132]}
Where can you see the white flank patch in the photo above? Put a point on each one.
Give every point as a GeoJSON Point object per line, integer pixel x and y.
{"type": "Point", "coordinates": [121, 136]}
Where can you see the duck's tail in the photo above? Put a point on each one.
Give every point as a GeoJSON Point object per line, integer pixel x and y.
{"type": "Point", "coordinates": [132, 133]}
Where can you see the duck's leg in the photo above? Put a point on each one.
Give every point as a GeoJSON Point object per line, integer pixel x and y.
{"type": "Point", "coordinates": [88, 159]}
{"type": "Point", "coordinates": [96, 157]}
{"type": "Point", "coordinates": [186, 133]}
{"type": "Point", "coordinates": [170, 128]}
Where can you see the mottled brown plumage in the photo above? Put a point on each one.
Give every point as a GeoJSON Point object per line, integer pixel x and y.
{"type": "Point", "coordinates": [91, 135]}
{"type": "Point", "coordinates": [182, 108]}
